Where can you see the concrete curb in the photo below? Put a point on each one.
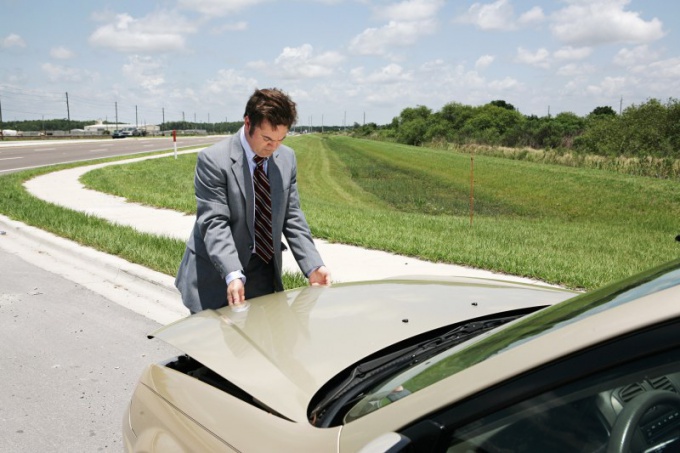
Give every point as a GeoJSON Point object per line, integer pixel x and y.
{"type": "Point", "coordinates": [149, 293]}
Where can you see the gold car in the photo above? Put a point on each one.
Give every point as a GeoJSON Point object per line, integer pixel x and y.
{"type": "Point", "coordinates": [454, 365]}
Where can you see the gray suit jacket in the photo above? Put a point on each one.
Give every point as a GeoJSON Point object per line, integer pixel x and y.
{"type": "Point", "coordinates": [222, 240]}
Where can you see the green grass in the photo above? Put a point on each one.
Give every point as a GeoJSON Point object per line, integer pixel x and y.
{"type": "Point", "coordinates": [580, 228]}
{"type": "Point", "coordinates": [163, 182]}
{"type": "Point", "coordinates": [576, 227]}
{"type": "Point", "coordinates": [158, 253]}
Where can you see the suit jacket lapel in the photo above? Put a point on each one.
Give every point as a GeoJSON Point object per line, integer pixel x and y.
{"type": "Point", "coordinates": [276, 184]}
{"type": "Point", "coordinates": [241, 173]}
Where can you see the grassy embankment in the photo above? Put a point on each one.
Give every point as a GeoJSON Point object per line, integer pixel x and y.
{"type": "Point", "coordinates": [576, 227]}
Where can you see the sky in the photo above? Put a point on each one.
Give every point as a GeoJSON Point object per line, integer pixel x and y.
{"type": "Point", "coordinates": [342, 61]}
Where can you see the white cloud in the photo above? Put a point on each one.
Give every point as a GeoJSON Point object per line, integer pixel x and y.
{"type": "Point", "coordinates": [231, 26]}
{"type": "Point", "coordinates": [540, 58]}
{"type": "Point", "coordinates": [632, 57]}
{"type": "Point", "coordinates": [61, 53]}
{"type": "Point", "coordinates": [392, 73]}
{"type": "Point", "coordinates": [14, 76]}
{"type": "Point", "coordinates": [498, 15]}
{"type": "Point", "coordinates": [572, 53]}
{"type": "Point", "coordinates": [159, 32]}
{"type": "Point", "coordinates": [610, 86]}
{"type": "Point", "coordinates": [410, 10]}
{"type": "Point", "coordinates": [58, 73]}
{"type": "Point", "coordinates": [13, 40]}
{"type": "Point", "coordinates": [590, 23]}
{"type": "Point", "coordinates": [407, 22]}
{"type": "Point", "coordinates": [301, 63]}
{"type": "Point", "coordinates": [144, 72]}
{"type": "Point", "coordinates": [664, 69]}
{"type": "Point", "coordinates": [504, 84]}
{"type": "Point", "coordinates": [484, 61]}
{"type": "Point", "coordinates": [228, 83]}
{"type": "Point", "coordinates": [574, 70]}
{"type": "Point", "coordinates": [533, 16]}
{"type": "Point", "coordinates": [218, 8]}
{"type": "Point", "coordinates": [381, 41]}
{"type": "Point", "coordinates": [182, 94]}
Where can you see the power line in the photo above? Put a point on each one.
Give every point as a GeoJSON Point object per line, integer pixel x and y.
{"type": "Point", "coordinates": [30, 103]}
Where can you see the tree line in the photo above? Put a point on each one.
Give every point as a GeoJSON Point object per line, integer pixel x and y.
{"type": "Point", "coordinates": [63, 124]}
{"type": "Point", "coordinates": [650, 129]}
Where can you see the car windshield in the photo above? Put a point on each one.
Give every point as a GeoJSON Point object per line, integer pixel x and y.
{"type": "Point", "coordinates": [375, 370]}
{"type": "Point", "coordinates": [457, 358]}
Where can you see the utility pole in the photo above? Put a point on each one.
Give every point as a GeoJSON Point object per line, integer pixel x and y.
{"type": "Point", "coordinates": [116, 104]}
{"type": "Point", "coordinates": [163, 115]}
{"type": "Point", "coordinates": [136, 121]}
{"type": "Point", "coordinates": [68, 109]}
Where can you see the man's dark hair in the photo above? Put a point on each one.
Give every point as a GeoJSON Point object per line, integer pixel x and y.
{"type": "Point", "coordinates": [272, 105]}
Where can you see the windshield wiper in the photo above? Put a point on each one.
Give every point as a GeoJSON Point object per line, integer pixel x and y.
{"type": "Point", "coordinates": [373, 370]}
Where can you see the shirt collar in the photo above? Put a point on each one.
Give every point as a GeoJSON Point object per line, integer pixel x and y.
{"type": "Point", "coordinates": [250, 154]}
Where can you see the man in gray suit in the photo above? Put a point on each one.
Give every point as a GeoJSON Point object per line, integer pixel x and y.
{"type": "Point", "coordinates": [223, 262]}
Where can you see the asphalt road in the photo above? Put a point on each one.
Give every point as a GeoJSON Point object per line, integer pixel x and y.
{"type": "Point", "coordinates": [70, 357]}
{"type": "Point", "coordinates": [70, 361]}
{"type": "Point", "coordinates": [21, 155]}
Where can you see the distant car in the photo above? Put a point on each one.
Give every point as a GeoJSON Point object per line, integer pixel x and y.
{"type": "Point", "coordinates": [131, 132]}
{"type": "Point", "coordinates": [118, 134]}
{"type": "Point", "coordinates": [422, 365]}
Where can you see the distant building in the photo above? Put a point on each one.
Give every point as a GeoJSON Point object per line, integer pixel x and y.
{"type": "Point", "coordinates": [99, 126]}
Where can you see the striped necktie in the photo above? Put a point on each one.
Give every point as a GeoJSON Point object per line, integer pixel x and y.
{"type": "Point", "coordinates": [264, 244]}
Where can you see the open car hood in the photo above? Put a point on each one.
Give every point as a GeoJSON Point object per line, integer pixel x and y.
{"type": "Point", "coordinates": [286, 346]}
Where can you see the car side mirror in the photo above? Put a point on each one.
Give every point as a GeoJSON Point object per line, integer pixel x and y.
{"type": "Point", "coordinates": [387, 443]}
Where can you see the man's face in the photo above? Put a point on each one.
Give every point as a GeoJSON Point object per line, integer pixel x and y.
{"type": "Point", "coordinates": [264, 139]}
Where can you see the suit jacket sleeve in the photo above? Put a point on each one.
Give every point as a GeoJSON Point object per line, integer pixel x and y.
{"type": "Point", "coordinates": [296, 230]}
{"type": "Point", "coordinates": [218, 207]}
